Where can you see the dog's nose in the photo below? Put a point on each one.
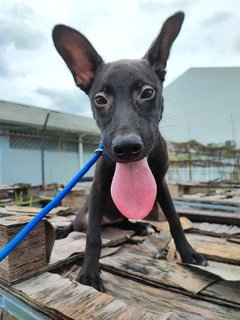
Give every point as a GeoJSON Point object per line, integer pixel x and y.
{"type": "Point", "coordinates": [127, 147]}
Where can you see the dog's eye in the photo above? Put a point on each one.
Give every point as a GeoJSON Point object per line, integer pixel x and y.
{"type": "Point", "coordinates": [100, 100]}
{"type": "Point", "coordinates": [147, 93]}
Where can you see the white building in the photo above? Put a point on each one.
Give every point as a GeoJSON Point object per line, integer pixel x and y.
{"type": "Point", "coordinates": [39, 145]}
{"type": "Point", "coordinates": [203, 104]}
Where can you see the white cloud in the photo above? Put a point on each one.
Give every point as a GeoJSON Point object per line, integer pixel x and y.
{"type": "Point", "coordinates": [69, 101]}
{"type": "Point", "coordinates": [118, 29]}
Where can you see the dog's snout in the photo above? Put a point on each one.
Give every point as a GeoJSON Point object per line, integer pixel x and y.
{"type": "Point", "coordinates": [127, 147]}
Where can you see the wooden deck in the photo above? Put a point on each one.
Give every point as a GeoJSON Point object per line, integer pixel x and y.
{"type": "Point", "coordinates": [143, 276]}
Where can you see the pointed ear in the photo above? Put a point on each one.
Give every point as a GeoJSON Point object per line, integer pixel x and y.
{"type": "Point", "coordinates": [158, 53]}
{"type": "Point", "coordinates": [78, 53]}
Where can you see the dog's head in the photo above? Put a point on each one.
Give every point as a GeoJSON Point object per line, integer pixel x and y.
{"type": "Point", "coordinates": [125, 95]}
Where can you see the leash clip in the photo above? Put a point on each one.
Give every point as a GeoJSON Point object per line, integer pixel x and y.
{"type": "Point", "coordinates": [99, 150]}
{"type": "Point", "coordinates": [104, 154]}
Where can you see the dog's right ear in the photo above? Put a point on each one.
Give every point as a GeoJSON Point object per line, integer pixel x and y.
{"type": "Point", "coordinates": [158, 53]}
{"type": "Point", "coordinates": [78, 53]}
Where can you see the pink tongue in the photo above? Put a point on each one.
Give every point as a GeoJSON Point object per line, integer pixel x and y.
{"type": "Point", "coordinates": [134, 189]}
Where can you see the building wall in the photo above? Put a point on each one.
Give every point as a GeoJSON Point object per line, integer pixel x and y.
{"type": "Point", "coordinates": [1, 157]}
{"type": "Point", "coordinates": [60, 166]}
{"type": "Point", "coordinates": [88, 150]}
{"type": "Point", "coordinates": [19, 165]}
{"type": "Point", "coordinates": [23, 165]}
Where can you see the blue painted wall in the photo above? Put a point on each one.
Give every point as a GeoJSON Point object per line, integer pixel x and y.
{"type": "Point", "coordinates": [60, 166]}
{"type": "Point", "coordinates": [1, 157]}
{"type": "Point", "coordinates": [24, 165]}
{"type": "Point", "coordinates": [19, 165]}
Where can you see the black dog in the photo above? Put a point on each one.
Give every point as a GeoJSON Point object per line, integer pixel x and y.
{"type": "Point", "coordinates": [127, 103]}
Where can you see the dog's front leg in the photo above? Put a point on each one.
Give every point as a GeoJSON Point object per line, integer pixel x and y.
{"type": "Point", "coordinates": [90, 272]}
{"type": "Point", "coordinates": [187, 253]}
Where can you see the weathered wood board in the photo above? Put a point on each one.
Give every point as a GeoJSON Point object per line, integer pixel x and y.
{"type": "Point", "coordinates": [128, 262]}
{"type": "Point", "coordinates": [61, 221]}
{"type": "Point", "coordinates": [214, 229]}
{"type": "Point", "coordinates": [31, 254]}
{"type": "Point", "coordinates": [224, 293]}
{"type": "Point", "coordinates": [161, 301]}
{"type": "Point", "coordinates": [210, 216]}
{"type": "Point", "coordinates": [226, 271]}
{"type": "Point", "coordinates": [164, 225]}
{"type": "Point", "coordinates": [216, 199]}
{"type": "Point", "coordinates": [62, 299]}
{"type": "Point", "coordinates": [220, 250]}
{"type": "Point", "coordinates": [76, 242]}
{"type": "Point", "coordinates": [138, 285]}
{"type": "Point", "coordinates": [155, 245]}
{"type": "Point", "coordinates": [34, 210]}
{"type": "Point", "coordinates": [75, 199]}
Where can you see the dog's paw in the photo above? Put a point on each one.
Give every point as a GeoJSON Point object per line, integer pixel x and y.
{"type": "Point", "coordinates": [193, 257]}
{"type": "Point", "coordinates": [144, 229]}
{"type": "Point", "coordinates": [63, 232]}
{"type": "Point", "coordinates": [91, 279]}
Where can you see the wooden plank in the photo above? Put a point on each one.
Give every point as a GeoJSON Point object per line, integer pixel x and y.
{"type": "Point", "coordinates": [220, 250]}
{"type": "Point", "coordinates": [33, 210]}
{"type": "Point", "coordinates": [130, 262]}
{"type": "Point", "coordinates": [222, 292]}
{"type": "Point", "coordinates": [161, 301]}
{"type": "Point", "coordinates": [164, 225]}
{"type": "Point", "coordinates": [116, 236]}
{"type": "Point", "coordinates": [234, 239]}
{"type": "Point", "coordinates": [4, 201]}
{"type": "Point", "coordinates": [210, 216]}
{"type": "Point", "coordinates": [210, 199]}
{"type": "Point", "coordinates": [224, 270]}
{"type": "Point", "coordinates": [62, 299]}
{"type": "Point", "coordinates": [5, 213]}
{"type": "Point", "coordinates": [75, 199]}
{"type": "Point", "coordinates": [215, 229]}
{"type": "Point", "coordinates": [29, 256]}
{"type": "Point", "coordinates": [225, 292]}
{"type": "Point", "coordinates": [61, 221]}
{"type": "Point", "coordinates": [155, 245]}
{"type": "Point", "coordinates": [75, 243]}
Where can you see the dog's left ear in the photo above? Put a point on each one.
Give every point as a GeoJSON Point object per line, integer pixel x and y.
{"type": "Point", "coordinates": [78, 53]}
{"type": "Point", "coordinates": [158, 53]}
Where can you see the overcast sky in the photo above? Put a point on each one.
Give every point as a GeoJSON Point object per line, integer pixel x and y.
{"type": "Point", "coordinates": [31, 71]}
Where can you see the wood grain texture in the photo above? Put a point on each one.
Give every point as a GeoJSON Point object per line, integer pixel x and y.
{"type": "Point", "coordinates": [210, 216]}
{"type": "Point", "coordinates": [162, 301]}
{"type": "Point", "coordinates": [61, 298]}
{"type": "Point", "coordinates": [28, 257]}
{"type": "Point", "coordinates": [159, 271]}
{"type": "Point", "coordinates": [220, 250]}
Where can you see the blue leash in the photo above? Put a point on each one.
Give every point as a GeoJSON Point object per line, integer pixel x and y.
{"type": "Point", "coordinates": [32, 224]}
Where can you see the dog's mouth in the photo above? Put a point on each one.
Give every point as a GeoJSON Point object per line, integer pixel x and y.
{"type": "Point", "coordinates": [134, 189]}
{"type": "Point", "coordinates": [127, 159]}
{"type": "Point", "coordinates": [133, 186]}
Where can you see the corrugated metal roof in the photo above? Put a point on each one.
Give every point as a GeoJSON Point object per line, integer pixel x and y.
{"type": "Point", "coordinates": [33, 116]}
{"type": "Point", "coordinates": [203, 104]}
